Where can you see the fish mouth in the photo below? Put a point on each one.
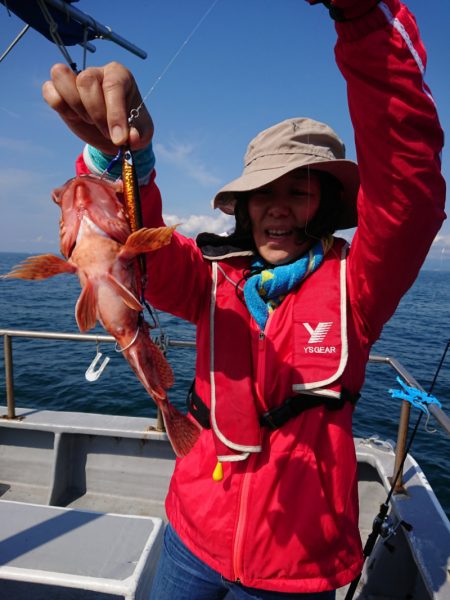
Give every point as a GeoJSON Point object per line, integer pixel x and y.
{"type": "Point", "coordinates": [87, 225]}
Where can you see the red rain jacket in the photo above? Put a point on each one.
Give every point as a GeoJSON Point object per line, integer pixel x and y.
{"type": "Point", "coordinates": [286, 517]}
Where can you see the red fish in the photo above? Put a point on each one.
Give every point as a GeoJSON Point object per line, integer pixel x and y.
{"type": "Point", "coordinates": [97, 242]}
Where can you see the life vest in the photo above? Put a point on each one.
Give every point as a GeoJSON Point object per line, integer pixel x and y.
{"type": "Point", "coordinates": [315, 321]}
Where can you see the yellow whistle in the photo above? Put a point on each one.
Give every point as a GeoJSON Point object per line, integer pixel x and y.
{"type": "Point", "coordinates": [218, 472]}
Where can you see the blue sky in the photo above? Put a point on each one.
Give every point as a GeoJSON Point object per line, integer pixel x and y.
{"type": "Point", "coordinates": [250, 64]}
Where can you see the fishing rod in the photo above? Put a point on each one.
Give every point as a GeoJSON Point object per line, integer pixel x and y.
{"type": "Point", "coordinates": [381, 526]}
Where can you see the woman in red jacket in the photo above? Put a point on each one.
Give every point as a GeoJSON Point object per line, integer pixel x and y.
{"type": "Point", "coordinates": [265, 504]}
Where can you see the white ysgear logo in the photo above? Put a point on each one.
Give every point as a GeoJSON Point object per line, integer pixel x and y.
{"type": "Point", "coordinates": [318, 334]}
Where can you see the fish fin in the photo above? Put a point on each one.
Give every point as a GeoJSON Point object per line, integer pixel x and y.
{"type": "Point", "coordinates": [182, 432]}
{"type": "Point", "coordinates": [162, 366]}
{"type": "Point", "coordinates": [40, 267]}
{"type": "Point", "coordinates": [146, 240]}
{"type": "Point", "coordinates": [86, 308]}
{"type": "Point", "coordinates": [128, 297]}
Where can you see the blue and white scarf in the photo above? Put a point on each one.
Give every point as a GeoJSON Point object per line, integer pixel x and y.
{"type": "Point", "coordinates": [267, 289]}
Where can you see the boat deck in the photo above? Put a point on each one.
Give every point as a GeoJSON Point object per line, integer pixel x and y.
{"type": "Point", "coordinates": [74, 480]}
{"type": "Point", "coordinates": [49, 552]}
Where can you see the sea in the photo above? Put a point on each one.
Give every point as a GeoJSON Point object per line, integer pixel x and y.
{"type": "Point", "coordinates": [51, 374]}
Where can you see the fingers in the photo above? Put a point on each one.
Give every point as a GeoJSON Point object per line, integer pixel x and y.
{"type": "Point", "coordinates": [121, 96]}
{"type": "Point", "coordinates": [90, 99]}
{"type": "Point", "coordinates": [61, 94]}
{"type": "Point", "coordinates": [96, 104]}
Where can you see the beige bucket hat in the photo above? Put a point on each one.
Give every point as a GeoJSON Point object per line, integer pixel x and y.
{"type": "Point", "coordinates": [289, 145]}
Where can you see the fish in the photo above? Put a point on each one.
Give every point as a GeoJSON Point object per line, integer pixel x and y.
{"type": "Point", "coordinates": [98, 245]}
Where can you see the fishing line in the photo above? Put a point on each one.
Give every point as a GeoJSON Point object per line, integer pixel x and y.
{"type": "Point", "coordinates": [380, 519]}
{"type": "Point", "coordinates": [134, 112]}
{"type": "Point", "coordinates": [134, 115]}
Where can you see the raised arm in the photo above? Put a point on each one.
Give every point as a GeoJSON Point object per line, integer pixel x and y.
{"type": "Point", "coordinates": [398, 143]}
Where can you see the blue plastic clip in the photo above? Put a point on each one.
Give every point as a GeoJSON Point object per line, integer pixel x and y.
{"type": "Point", "coordinates": [114, 160]}
{"type": "Point", "coordinates": [416, 397]}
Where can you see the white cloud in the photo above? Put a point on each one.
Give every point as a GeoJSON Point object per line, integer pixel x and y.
{"type": "Point", "coordinates": [346, 234]}
{"type": "Point", "coordinates": [182, 156]}
{"type": "Point", "coordinates": [194, 224]}
{"type": "Point", "coordinates": [442, 240]}
{"type": "Point", "coordinates": [440, 249]}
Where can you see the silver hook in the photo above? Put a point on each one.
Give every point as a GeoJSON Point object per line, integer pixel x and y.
{"type": "Point", "coordinates": [92, 374]}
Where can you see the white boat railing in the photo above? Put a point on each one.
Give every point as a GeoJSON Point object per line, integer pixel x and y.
{"type": "Point", "coordinates": [8, 334]}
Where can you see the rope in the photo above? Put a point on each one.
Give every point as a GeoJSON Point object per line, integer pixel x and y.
{"type": "Point", "coordinates": [53, 29]}
{"type": "Point", "coordinates": [85, 41]}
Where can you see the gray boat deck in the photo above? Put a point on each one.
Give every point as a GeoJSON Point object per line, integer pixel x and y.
{"type": "Point", "coordinates": [45, 547]}
{"type": "Point", "coordinates": [79, 483]}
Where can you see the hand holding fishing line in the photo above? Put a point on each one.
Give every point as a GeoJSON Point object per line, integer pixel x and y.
{"type": "Point", "coordinates": [96, 104]}
{"type": "Point", "coordinates": [103, 105]}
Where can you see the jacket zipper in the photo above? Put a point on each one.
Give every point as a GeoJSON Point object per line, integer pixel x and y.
{"type": "Point", "coordinates": [241, 523]}
{"type": "Point", "coordinates": [245, 488]}
{"type": "Point", "coordinates": [261, 368]}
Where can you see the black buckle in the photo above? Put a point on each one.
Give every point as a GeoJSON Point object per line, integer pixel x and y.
{"type": "Point", "coordinates": [197, 408]}
{"type": "Point", "coordinates": [277, 417]}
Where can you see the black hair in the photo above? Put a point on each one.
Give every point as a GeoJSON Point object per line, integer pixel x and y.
{"type": "Point", "coordinates": [327, 216]}
{"type": "Point", "coordinates": [322, 224]}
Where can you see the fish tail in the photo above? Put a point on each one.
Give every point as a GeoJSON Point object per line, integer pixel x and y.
{"type": "Point", "coordinates": [182, 432]}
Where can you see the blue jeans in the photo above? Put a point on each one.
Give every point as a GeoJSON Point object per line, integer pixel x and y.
{"type": "Point", "coordinates": [182, 576]}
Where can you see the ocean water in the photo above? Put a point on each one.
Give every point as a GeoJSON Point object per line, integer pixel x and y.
{"type": "Point", "coordinates": [50, 374]}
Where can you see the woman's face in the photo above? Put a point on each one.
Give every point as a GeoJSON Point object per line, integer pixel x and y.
{"type": "Point", "coordinates": [277, 210]}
